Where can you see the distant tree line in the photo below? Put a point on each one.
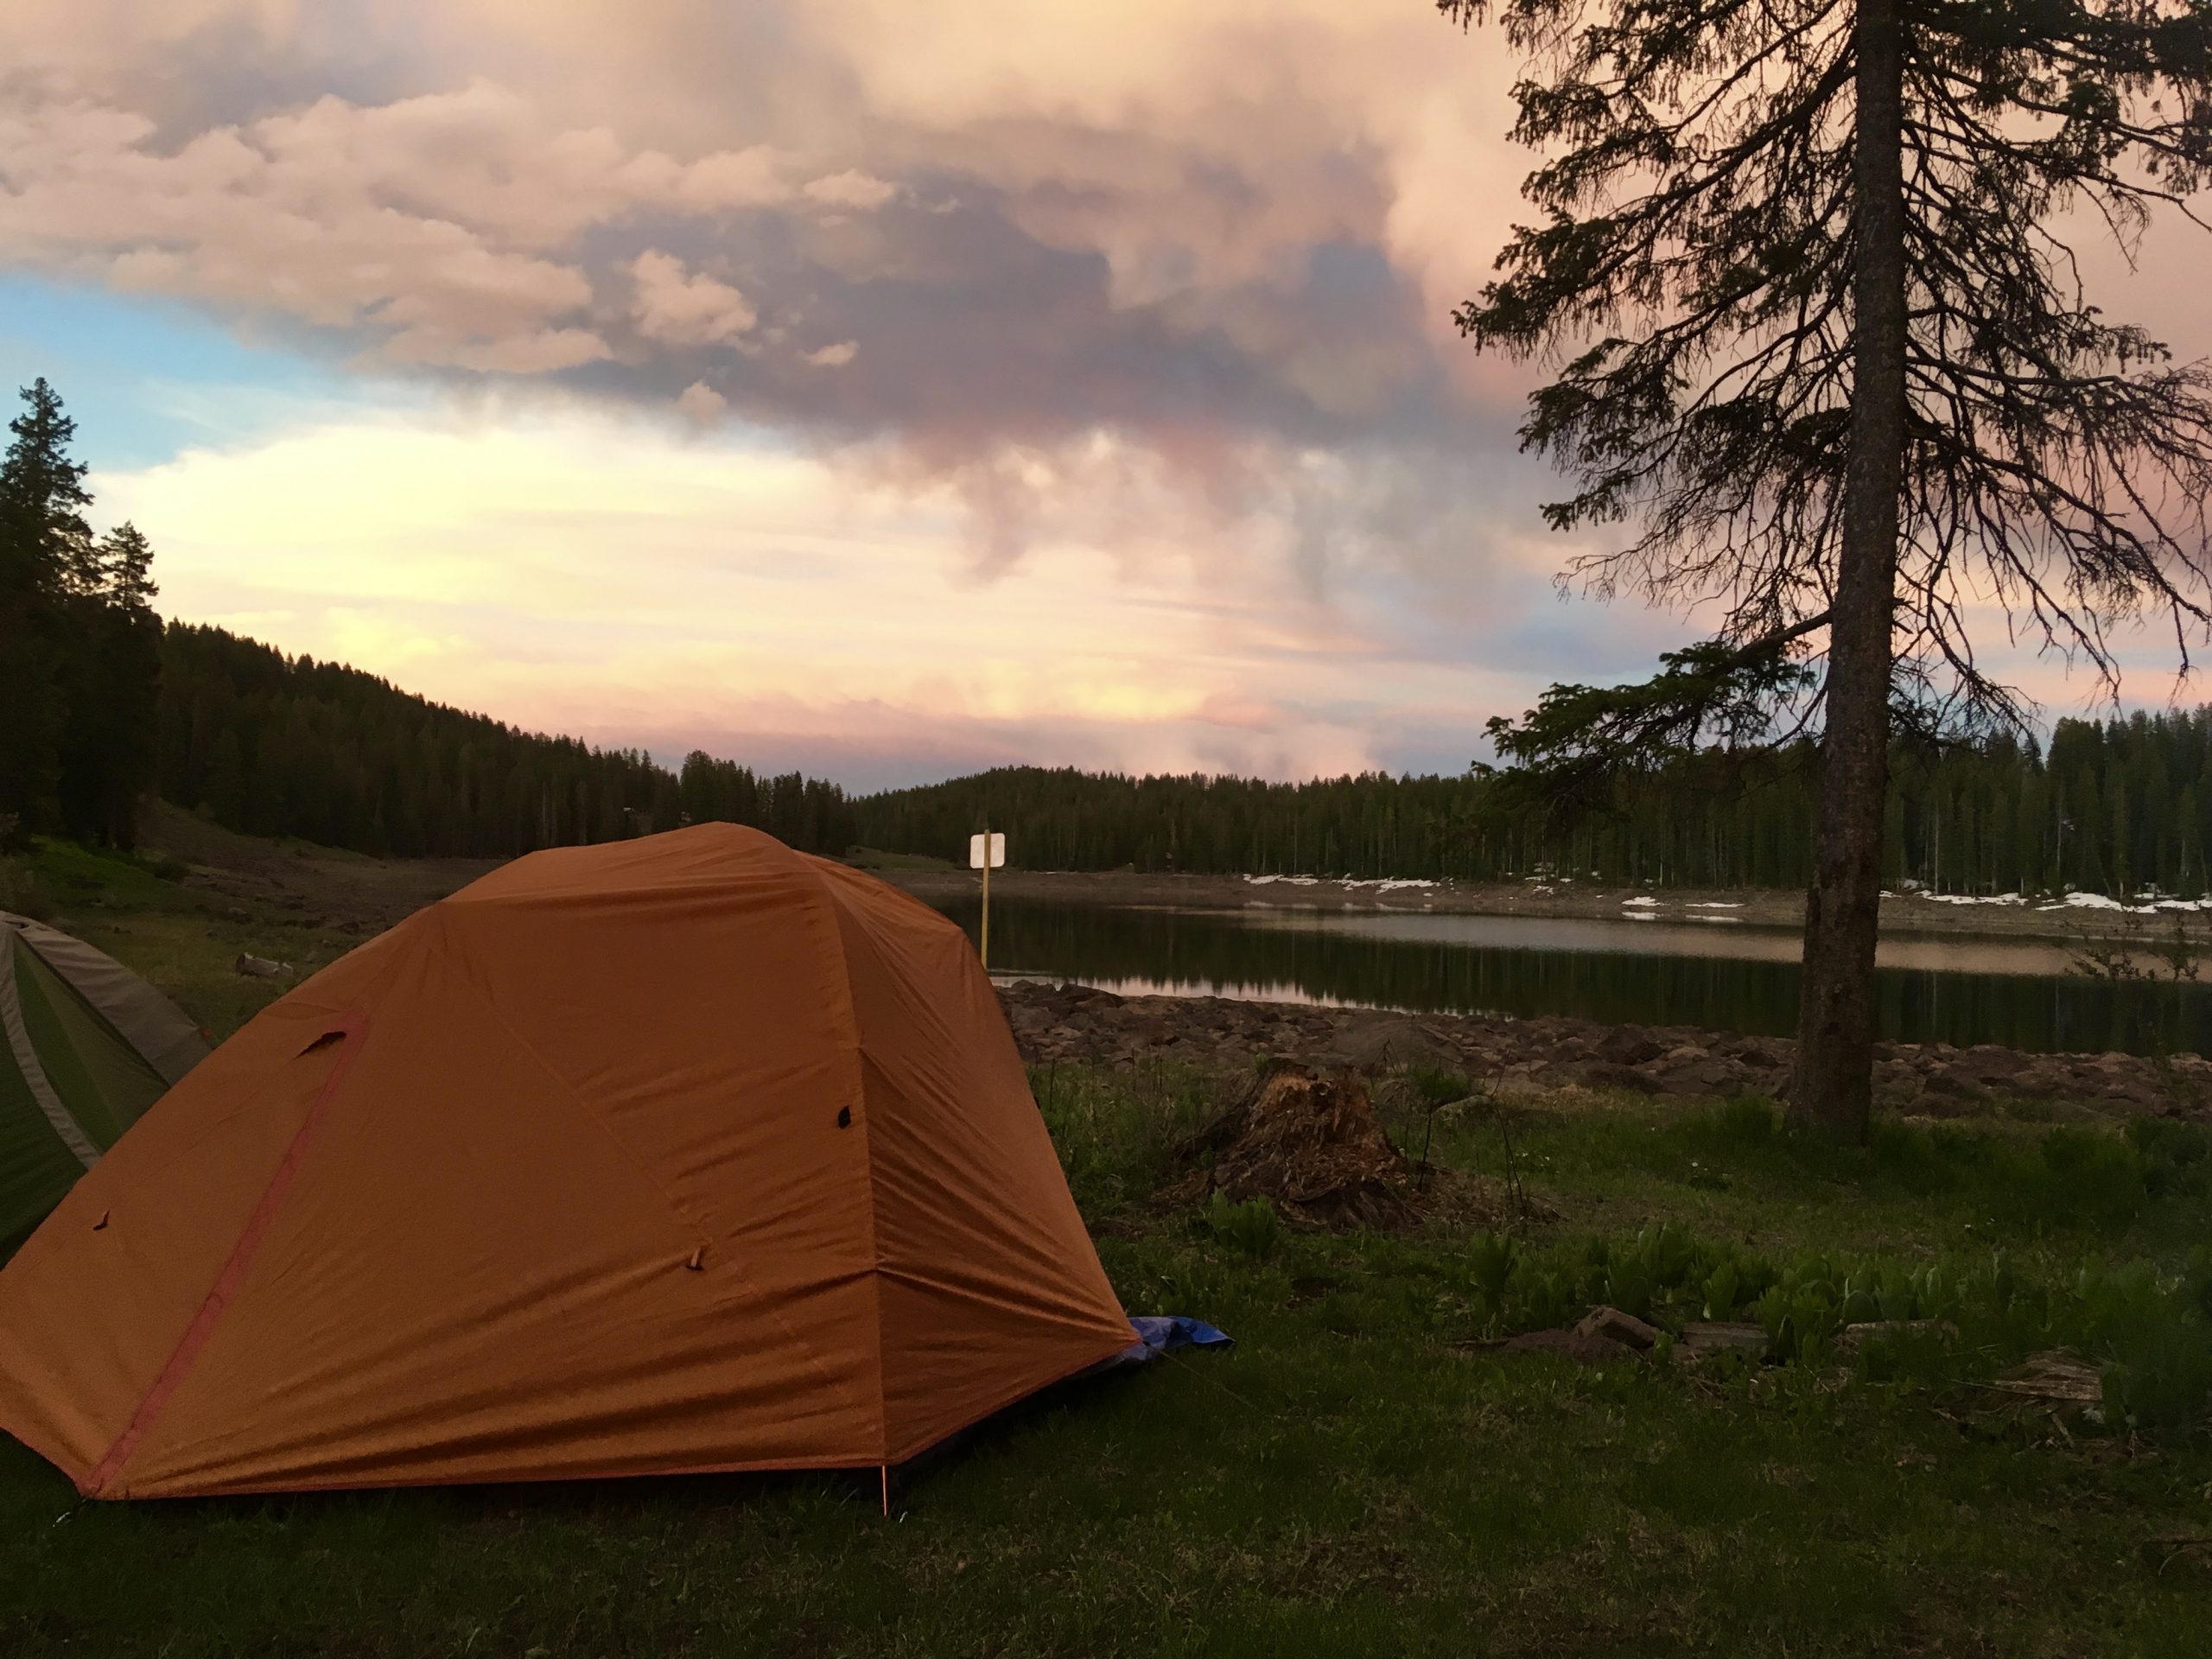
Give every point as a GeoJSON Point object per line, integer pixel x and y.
{"type": "Point", "coordinates": [2115, 806]}
{"type": "Point", "coordinates": [273, 745]}
{"type": "Point", "coordinates": [100, 703]}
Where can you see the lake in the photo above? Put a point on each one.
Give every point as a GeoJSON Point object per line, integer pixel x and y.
{"type": "Point", "coordinates": [1725, 975]}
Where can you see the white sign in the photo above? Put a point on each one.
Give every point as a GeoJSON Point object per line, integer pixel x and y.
{"type": "Point", "coordinates": [998, 851]}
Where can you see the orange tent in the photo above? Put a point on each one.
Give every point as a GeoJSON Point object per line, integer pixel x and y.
{"type": "Point", "coordinates": [677, 1154]}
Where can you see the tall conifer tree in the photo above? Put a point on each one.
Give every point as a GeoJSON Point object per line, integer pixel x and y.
{"type": "Point", "coordinates": [46, 559]}
{"type": "Point", "coordinates": [107, 763]}
{"type": "Point", "coordinates": [1811, 266]}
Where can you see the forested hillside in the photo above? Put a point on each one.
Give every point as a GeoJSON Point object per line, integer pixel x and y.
{"type": "Point", "coordinates": [274, 746]}
{"type": "Point", "coordinates": [99, 702]}
{"type": "Point", "coordinates": [2114, 806]}
{"type": "Point", "coordinates": [288, 745]}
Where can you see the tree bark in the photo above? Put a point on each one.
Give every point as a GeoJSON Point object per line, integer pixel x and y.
{"type": "Point", "coordinates": [1831, 1091]}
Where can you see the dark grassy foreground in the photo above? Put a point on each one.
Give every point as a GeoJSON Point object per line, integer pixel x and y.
{"type": "Point", "coordinates": [1357, 1475]}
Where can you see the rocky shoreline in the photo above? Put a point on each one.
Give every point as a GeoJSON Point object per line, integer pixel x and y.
{"type": "Point", "coordinates": [1068, 1023]}
{"type": "Point", "coordinates": [1904, 914]}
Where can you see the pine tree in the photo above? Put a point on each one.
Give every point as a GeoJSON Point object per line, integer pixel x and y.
{"type": "Point", "coordinates": [108, 752]}
{"type": "Point", "coordinates": [43, 494]}
{"type": "Point", "coordinates": [47, 558]}
{"type": "Point", "coordinates": [125, 561]}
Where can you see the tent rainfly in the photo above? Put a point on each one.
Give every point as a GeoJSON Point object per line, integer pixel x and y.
{"type": "Point", "coordinates": [86, 1048]}
{"type": "Point", "coordinates": [677, 1154]}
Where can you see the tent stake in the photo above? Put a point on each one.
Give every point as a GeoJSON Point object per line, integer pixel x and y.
{"type": "Point", "coordinates": [885, 1470]}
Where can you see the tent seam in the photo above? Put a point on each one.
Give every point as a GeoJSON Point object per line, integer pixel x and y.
{"type": "Point", "coordinates": [189, 1346]}
{"type": "Point", "coordinates": [831, 904]}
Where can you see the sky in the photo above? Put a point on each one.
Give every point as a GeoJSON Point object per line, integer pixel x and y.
{"type": "Point", "coordinates": [882, 391]}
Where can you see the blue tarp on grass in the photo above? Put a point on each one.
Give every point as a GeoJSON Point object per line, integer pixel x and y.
{"type": "Point", "coordinates": [1163, 1333]}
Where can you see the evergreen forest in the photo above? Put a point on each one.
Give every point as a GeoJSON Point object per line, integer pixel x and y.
{"type": "Point", "coordinates": [104, 704]}
{"type": "Point", "coordinates": [2122, 806]}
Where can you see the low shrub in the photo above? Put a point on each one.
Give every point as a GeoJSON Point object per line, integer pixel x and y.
{"type": "Point", "coordinates": [1251, 1227]}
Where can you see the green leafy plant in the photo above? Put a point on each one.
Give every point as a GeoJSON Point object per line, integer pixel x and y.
{"type": "Point", "coordinates": [2172, 1154]}
{"type": "Point", "coordinates": [1895, 1294]}
{"type": "Point", "coordinates": [2162, 1378]}
{"type": "Point", "coordinates": [1492, 1260]}
{"type": "Point", "coordinates": [2083, 1179]}
{"type": "Point", "coordinates": [1251, 1227]}
{"type": "Point", "coordinates": [1549, 1299]}
{"type": "Point", "coordinates": [1723, 1289]}
{"type": "Point", "coordinates": [1656, 1261]}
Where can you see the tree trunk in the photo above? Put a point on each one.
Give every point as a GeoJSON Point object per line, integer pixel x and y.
{"type": "Point", "coordinates": [1832, 1088]}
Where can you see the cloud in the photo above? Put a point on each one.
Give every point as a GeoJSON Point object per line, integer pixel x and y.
{"type": "Point", "coordinates": [851, 189]}
{"type": "Point", "coordinates": [769, 603]}
{"type": "Point", "coordinates": [278, 219]}
{"type": "Point", "coordinates": [679, 309]}
{"type": "Point", "coordinates": [539, 351]}
{"type": "Point", "coordinates": [1017, 230]}
{"type": "Point", "coordinates": [1162, 284]}
{"type": "Point", "coordinates": [702, 403]}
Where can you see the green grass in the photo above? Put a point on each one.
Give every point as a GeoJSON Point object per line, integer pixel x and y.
{"type": "Point", "coordinates": [56, 875]}
{"type": "Point", "coordinates": [190, 955]}
{"type": "Point", "coordinates": [1921, 1188]}
{"type": "Point", "coordinates": [185, 941]}
{"type": "Point", "coordinates": [1352, 1478]}
{"type": "Point", "coordinates": [1357, 1475]}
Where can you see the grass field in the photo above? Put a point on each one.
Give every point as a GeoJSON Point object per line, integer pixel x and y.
{"type": "Point", "coordinates": [1360, 1474]}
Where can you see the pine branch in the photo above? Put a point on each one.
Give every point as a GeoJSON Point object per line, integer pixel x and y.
{"type": "Point", "coordinates": [1580, 739]}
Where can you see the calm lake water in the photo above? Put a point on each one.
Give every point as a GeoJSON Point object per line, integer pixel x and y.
{"type": "Point", "coordinates": [1717, 974]}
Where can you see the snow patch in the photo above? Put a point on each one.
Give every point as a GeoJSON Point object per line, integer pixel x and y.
{"type": "Point", "coordinates": [2099, 901]}
{"type": "Point", "coordinates": [1718, 903]}
{"type": "Point", "coordinates": [1379, 883]}
{"type": "Point", "coordinates": [1645, 901]}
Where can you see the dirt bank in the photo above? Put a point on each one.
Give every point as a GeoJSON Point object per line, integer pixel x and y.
{"type": "Point", "coordinates": [312, 886]}
{"type": "Point", "coordinates": [1068, 1023]}
{"type": "Point", "coordinates": [1902, 915]}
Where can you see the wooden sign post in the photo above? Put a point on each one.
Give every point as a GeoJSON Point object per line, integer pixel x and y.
{"type": "Point", "coordinates": [986, 852]}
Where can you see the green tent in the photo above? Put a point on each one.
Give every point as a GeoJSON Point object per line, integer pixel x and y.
{"type": "Point", "coordinates": [85, 1046]}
